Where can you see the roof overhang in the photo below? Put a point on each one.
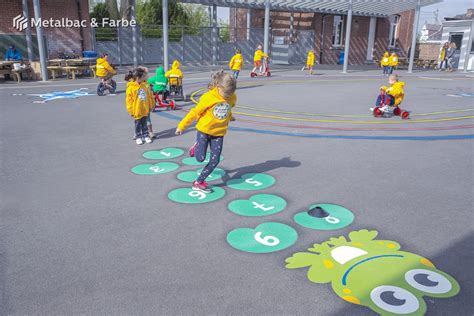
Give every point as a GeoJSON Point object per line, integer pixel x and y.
{"type": "Point", "coordinates": [378, 8]}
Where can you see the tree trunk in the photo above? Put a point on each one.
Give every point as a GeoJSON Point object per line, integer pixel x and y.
{"type": "Point", "coordinates": [113, 9]}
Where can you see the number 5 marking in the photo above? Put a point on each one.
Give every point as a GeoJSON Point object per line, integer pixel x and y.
{"type": "Point", "coordinates": [267, 240]}
{"type": "Point", "coordinates": [200, 195]}
{"type": "Point", "coordinates": [254, 182]}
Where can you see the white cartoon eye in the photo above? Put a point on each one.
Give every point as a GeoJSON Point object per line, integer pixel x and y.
{"type": "Point", "coordinates": [428, 281]}
{"type": "Point", "coordinates": [394, 299]}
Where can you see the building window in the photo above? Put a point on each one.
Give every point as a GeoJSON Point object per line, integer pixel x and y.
{"type": "Point", "coordinates": [392, 38]}
{"type": "Point", "coordinates": [337, 30]}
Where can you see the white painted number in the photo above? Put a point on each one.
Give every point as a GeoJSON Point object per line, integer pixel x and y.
{"type": "Point", "coordinates": [198, 194]}
{"type": "Point", "coordinates": [262, 207]}
{"type": "Point", "coordinates": [254, 182]}
{"type": "Point", "coordinates": [267, 240]}
{"type": "Point", "coordinates": [156, 169]}
{"type": "Point", "coordinates": [332, 220]}
{"type": "Point", "coordinates": [165, 153]}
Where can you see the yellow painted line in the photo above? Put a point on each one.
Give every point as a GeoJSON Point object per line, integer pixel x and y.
{"type": "Point", "coordinates": [342, 121]}
{"type": "Point", "coordinates": [357, 122]}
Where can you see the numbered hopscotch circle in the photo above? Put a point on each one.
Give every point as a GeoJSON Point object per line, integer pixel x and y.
{"type": "Point", "coordinates": [265, 238]}
{"type": "Point", "coordinates": [258, 205]}
{"type": "Point", "coordinates": [159, 168]}
{"type": "Point", "coordinates": [191, 161]}
{"type": "Point", "coordinates": [191, 176]}
{"type": "Point", "coordinates": [189, 196]}
{"type": "Point", "coordinates": [252, 181]}
{"type": "Point", "coordinates": [339, 217]}
{"type": "Point", "coordinates": [165, 153]}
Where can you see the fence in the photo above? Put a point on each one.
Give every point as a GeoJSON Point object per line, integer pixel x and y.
{"type": "Point", "coordinates": [204, 45]}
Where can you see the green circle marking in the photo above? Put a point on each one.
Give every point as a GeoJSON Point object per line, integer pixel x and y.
{"type": "Point", "coordinates": [159, 168]}
{"type": "Point", "coordinates": [338, 218]}
{"type": "Point", "coordinates": [266, 237]}
{"type": "Point", "coordinates": [189, 196]}
{"type": "Point", "coordinates": [258, 205]}
{"type": "Point", "coordinates": [165, 153]}
{"type": "Point", "coordinates": [252, 181]}
{"type": "Point", "coordinates": [191, 176]}
{"type": "Point", "coordinates": [191, 161]}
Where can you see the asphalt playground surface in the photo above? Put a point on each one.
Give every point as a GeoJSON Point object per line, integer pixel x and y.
{"type": "Point", "coordinates": [81, 234]}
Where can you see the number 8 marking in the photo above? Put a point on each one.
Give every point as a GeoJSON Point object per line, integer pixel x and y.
{"type": "Point", "coordinates": [267, 240]}
{"type": "Point", "coordinates": [198, 194]}
{"type": "Point", "coordinates": [332, 220]}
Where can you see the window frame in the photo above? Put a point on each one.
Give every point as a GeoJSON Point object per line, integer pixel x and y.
{"type": "Point", "coordinates": [335, 29]}
{"type": "Point", "coordinates": [392, 36]}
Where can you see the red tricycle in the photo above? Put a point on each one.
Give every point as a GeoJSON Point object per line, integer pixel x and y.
{"type": "Point", "coordinates": [159, 103]}
{"type": "Point", "coordinates": [386, 107]}
{"type": "Point", "coordinates": [266, 70]}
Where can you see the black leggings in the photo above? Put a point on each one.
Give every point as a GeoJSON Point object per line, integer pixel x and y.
{"type": "Point", "coordinates": [203, 141]}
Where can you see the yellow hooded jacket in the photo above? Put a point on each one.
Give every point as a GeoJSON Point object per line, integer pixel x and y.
{"type": "Point", "coordinates": [310, 60]}
{"type": "Point", "coordinates": [175, 71]}
{"type": "Point", "coordinates": [259, 55]}
{"type": "Point", "coordinates": [103, 67]}
{"type": "Point", "coordinates": [236, 62]}
{"type": "Point", "coordinates": [396, 91]}
{"type": "Point", "coordinates": [385, 60]}
{"type": "Point", "coordinates": [213, 113]}
{"type": "Point", "coordinates": [393, 60]}
{"type": "Point", "coordinates": [138, 99]}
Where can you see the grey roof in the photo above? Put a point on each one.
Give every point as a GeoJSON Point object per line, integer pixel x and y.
{"type": "Point", "coordinates": [360, 7]}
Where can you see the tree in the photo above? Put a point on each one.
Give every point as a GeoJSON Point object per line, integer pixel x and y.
{"type": "Point", "coordinates": [99, 12]}
{"type": "Point", "coordinates": [113, 9]}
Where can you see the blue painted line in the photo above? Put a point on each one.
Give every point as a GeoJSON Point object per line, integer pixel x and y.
{"type": "Point", "coordinates": [344, 277]}
{"type": "Point", "coordinates": [331, 136]}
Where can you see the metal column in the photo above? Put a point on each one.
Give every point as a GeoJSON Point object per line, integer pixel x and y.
{"type": "Point", "coordinates": [29, 41]}
{"type": "Point", "coordinates": [133, 16]}
{"type": "Point", "coordinates": [267, 27]}
{"type": "Point", "coordinates": [413, 37]}
{"type": "Point", "coordinates": [165, 34]}
{"type": "Point", "coordinates": [41, 46]}
{"type": "Point", "coordinates": [371, 39]}
{"type": "Point", "coordinates": [468, 48]}
{"type": "Point", "coordinates": [214, 34]}
{"type": "Point", "coordinates": [348, 37]}
{"type": "Point", "coordinates": [292, 21]}
{"type": "Point", "coordinates": [249, 23]}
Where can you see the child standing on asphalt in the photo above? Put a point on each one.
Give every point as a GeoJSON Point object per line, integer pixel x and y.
{"type": "Point", "coordinates": [139, 101]}
{"type": "Point", "coordinates": [309, 62]}
{"type": "Point", "coordinates": [236, 63]}
{"type": "Point", "coordinates": [213, 113]}
{"type": "Point", "coordinates": [385, 63]}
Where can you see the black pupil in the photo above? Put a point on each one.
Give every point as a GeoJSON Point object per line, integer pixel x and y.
{"type": "Point", "coordinates": [422, 278]}
{"type": "Point", "coordinates": [389, 298]}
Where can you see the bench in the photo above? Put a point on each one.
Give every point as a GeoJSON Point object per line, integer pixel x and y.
{"type": "Point", "coordinates": [17, 73]}
{"type": "Point", "coordinates": [74, 70]}
{"type": "Point", "coordinates": [55, 71]}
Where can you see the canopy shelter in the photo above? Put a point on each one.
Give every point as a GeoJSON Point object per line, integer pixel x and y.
{"type": "Point", "coordinates": [372, 8]}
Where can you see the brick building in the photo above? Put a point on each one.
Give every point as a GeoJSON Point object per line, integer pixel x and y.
{"type": "Point", "coordinates": [58, 39]}
{"type": "Point", "coordinates": [391, 33]}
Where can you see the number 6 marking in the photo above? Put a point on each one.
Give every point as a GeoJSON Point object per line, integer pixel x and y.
{"type": "Point", "coordinates": [254, 182]}
{"type": "Point", "coordinates": [156, 169]}
{"type": "Point", "coordinates": [198, 194]}
{"type": "Point", "coordinates": [332, 220]}
{"type": "Point", "coordinates": [267, 240]}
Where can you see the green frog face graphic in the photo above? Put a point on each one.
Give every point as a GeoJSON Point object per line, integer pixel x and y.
{"type": "Point", "coordinates": [375, 273]}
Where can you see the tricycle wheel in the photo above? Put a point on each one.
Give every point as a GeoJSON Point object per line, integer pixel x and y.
{"type": "Point", "coordinates": [378, 112]}
{"type": "Point", "coordinates": [405, 115]}
{"type": "Point", "coordinates": [397, 111]}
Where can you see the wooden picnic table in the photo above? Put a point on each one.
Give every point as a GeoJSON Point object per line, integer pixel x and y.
{"type": "Point", "coordinates": [71, 66]}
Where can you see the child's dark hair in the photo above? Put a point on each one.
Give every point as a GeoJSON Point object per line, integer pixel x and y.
{"type": "Point", "coordinates": [237, 51]}
{"type": "Point", "coordinates": [129, 76]}
{"type": "Point", "coordinates": [224, 81]}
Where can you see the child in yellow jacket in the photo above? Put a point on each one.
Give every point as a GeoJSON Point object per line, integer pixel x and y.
{"type": "Point", "coordinates": [257, 59]}
{"type": "Point", "coordinates": [392, 95]}
{"type": "Point", "coordinates": [393, 62]}
{"type": "Point", "coordinates": [385, 63]}
{"type": "Point", "coordinates": [103, 69]}
{"type": "Point", "coordinates": [213, 113]}
{"type": "Point", "coordinates": [309, 62]}
{"type": "Point", "coordinates": [139, 101]}
{"type": "Point", "coordinates": [174, 72]}
{"type": "Point", "coordinates": [236, 63]}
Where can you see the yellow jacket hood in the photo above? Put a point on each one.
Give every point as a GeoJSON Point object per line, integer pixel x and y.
{"type": "Point", "coordinates": [396, 91]}
{"type": "Point", "coordinates": [236, 62]}
{"type": "Point", "coordinates": [103, 67]}
{"type": "Point", "coordinates": [213, 113]}
{"type": "Point", "coordinates": [175, 71]}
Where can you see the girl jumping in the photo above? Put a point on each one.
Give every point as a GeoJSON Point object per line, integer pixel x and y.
{"type": "Point", "coordinates": [213, 113]}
